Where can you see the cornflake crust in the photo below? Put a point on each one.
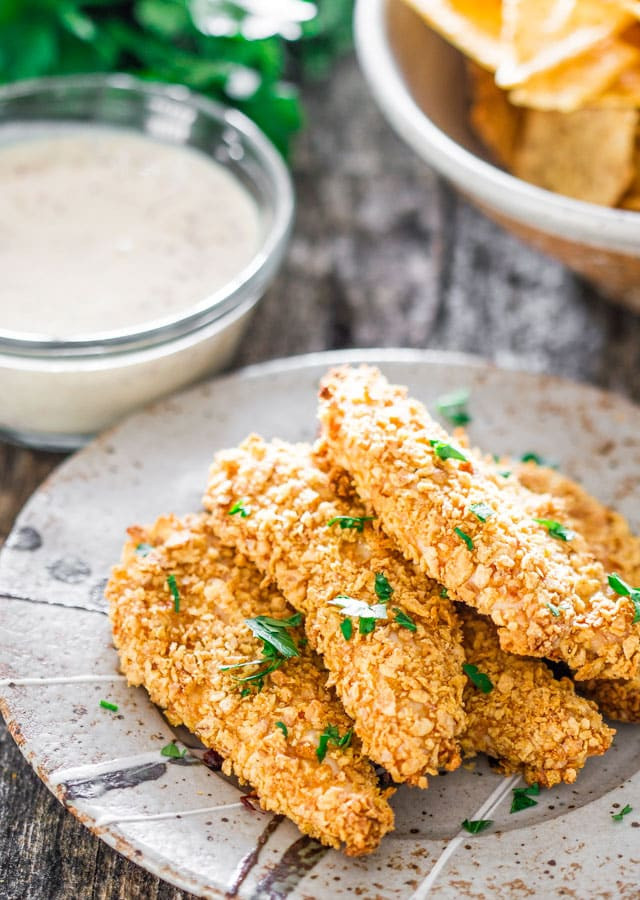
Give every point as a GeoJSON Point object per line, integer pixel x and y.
{"type": "Point", "coordinates": [177, 656]}
{"type": "Point", "coordinates": [508, 567]}
{"type": "Point", "coordinates": [401, 683]}
{"type": "Point", "coordinates": [529, 721]}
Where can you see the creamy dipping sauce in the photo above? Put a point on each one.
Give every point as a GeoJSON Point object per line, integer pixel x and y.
{"type": "Point", "coordinates": [103, 230]}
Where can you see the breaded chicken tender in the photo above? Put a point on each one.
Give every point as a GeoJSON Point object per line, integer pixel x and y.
{"type": "Point", "coordinates": [530, 722]}
{"type": "Point", "coordinates": [399, 677]}
{"type": "Point", "coordinates": [177, 656]}
{"type": "Point", "coordinates": [613, 543]}
{"type": "Point", "coordinates": [503, 563]}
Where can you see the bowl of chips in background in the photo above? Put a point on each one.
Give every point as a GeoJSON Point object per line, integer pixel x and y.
{"type": "Point", "coordinates": [531, 108]}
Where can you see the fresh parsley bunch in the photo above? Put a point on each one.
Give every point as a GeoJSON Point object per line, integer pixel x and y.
{"type": "Point", "coordinates": [247, 53]}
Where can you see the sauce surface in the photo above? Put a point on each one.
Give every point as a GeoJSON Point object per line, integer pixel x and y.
{"type": "Point", "coordinates": [103, 229]}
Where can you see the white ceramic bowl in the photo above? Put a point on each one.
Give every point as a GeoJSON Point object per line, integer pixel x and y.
{"type": "Point", "coordinates": [418, 80]}
{"type": "Point", "coordinates": [58, 393]}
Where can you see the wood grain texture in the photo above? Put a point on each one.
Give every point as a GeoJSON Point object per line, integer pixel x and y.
{"type": "Point", "coordinates": [384, 254]}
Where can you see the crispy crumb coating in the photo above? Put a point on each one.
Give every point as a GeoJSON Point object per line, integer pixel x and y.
{"type": "Point", "coordinates": [609, 536]}
{"type": "Point", "coordinates": [177, 657]}
{"type": "Point", "coordinates": [530, 722]}
{"type": "Point", "coordinates": [402, 688]}
{"type": "Point", "coordinates": [511, 723]}
{"type": "Point", "coordinates": [508, 567]}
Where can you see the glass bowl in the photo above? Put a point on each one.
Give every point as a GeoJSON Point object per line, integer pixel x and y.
{"type": "Point", "coordinates": [57, 393]}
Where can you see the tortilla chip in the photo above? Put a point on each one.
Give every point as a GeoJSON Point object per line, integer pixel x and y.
{"type": "Point", "coordinates": [540, 34]}
{"type": "Point", "coordinates": [493, 118]}
{"type": "Point", "coordinates": [587, 154]}
{"type": "Point", "coordinates": [573, 83]}
{"type": "Point", "coordinates": [473, 26]}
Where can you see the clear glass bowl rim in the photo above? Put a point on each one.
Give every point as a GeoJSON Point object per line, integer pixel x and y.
{"type": "Point", "coordinates": [215, 305]}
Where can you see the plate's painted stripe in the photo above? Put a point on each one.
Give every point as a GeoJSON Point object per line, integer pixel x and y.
{"type": "Point", "coordinates": [248, 861]}
{"type": "Point", "coordinates": [94, 770]}
{"type": "Point", "coordinates": [296, 862]}
{"type": "Point", "coordinates": [100, 821]}
{"type": "Point", "coordinates": [60, 679]}
{"type": "Point", "coordinates": [42, 601]}
{"type": "Point", "coordinates": [490, 804]}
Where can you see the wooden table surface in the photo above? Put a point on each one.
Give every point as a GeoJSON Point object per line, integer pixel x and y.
{"type": "Point", "coordinates": [384, 254]}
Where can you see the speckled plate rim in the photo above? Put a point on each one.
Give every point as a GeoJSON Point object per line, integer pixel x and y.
{"type": "Point", "coordinates": [288, 368]}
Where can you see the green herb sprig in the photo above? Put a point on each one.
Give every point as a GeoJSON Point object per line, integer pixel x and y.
{"type": "Point", "coordinates": [464, 537]}
{"type": "Point", "coordinates": [523, 797]}
{"type": "Point", "coordinates": [382, 588]}
{"type": "Point", "coordinates": [625, 590]}
{"type": "Point", "coordinates": [453, 407]}
{"type": "Point", "coordinates": [475, 826]}
{"type": "Point", "coordinates": [404, 619]}
{"type": "Point", "coordinates": [446, 451]}
{"type": "Point", "coordinates": [355, 522]}
{"type": "Point", "coordinates": [278, 646]}
{"type": "Point", "coordinates": [481, 511]}
{"type": "Point", "coordinates": [112, 707]}
{"type": "Point", "coordinates": [172, 751]}
{"type": "Point", "coordinates": [619, 816]}
{"type": "Point", "coordinates": [556, 529]}
{"type": "Point", "coordinates": [478, 678]}
{"type": "Point", "coordinates": [172, 584]}
{"type": "Point", "coordinates": [366, 614]}
{"type": "Point", "coordinates": [331, 735]}
{"type": "Point", "coordinates": [241, 508]}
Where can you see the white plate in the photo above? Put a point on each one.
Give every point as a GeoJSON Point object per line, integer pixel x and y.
{"type": "Point", "coordinates": [57, 661]}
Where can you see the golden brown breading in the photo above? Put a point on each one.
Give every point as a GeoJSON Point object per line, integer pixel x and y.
{"type": "Point", "coordinates": [530, 722]}
{"type": "Point", "coordinates": [403, 688]}
{"type": "Point", "coordinates": [177, 657]}
{"type": "Point", "coordinates": [609, 536]}
{"type": "Point", "coordinates": [508, 567]}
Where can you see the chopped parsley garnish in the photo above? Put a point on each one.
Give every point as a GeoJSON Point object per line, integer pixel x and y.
{"type": "Point", "coordinates": [482, 511]}
{"type": "Point", "coordinates": [523, 797]}
{"type": "Point", "coordinates": [355, 522]}
{"type": "Point", "coordinates": [240, 507]}
{"type": "Point", "coordinates": [618, 817]}
{"type": "Point", "coordinates": [358, 609]}
{"type": "Point", "coordinates": [172, 751]}
{"type": "Point", "coordinates": [404, 619]}
{"type": "Point", "coordinates": [245, 692]}
{"type": "Point", "coordinates": [453, 407]}
{"type": "Point", "coordinates": [446, 451]}
{"type": "Point", "coordinates": [554, 610]}
{"type": "Point", "coordinates": [475, 826]}
{"type": "Point", "coordinates": [624, 590]}
{"type": "Point", "coordinates": [112, 707]}
{"type": "Point", "coordinates": [478, 678]}
{"type": "Point", "coordinates": [331, 735]}
{"type": "Point", "coordinates": [444, 592]}
{"type": "Point", "coordinates": [283, 728]}
{"type": "Point", "coordinates": [556, 530]}
{"type": "Point", "coordinates": [346, 627]}
{"type": "Point", "coordinates": [278, 646]}
{"type": "Point", "coordinates": [464, 537]}
{"type": "Point", "coordinates": [366, 625]}
{"type": "Point", "coordinates": [172, 584]}
{"type": "Point", "coordinates": [143, 549]}
{"type": "Point", "coordinates": [382, 588]}
{"type": "Point", "coordinates": [505, 473]}
{"type": "Point", "coordinates": [538, 460]}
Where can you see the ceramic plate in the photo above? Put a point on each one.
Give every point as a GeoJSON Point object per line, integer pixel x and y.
{"type": "Point", "coordinates": [183, 821]}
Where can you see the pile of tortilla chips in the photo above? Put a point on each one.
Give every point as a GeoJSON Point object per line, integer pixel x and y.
{"type": "Point", "coordinates": [555, 89]}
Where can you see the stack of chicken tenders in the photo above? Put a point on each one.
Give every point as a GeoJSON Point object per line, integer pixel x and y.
{"type": "Point", "coordinates": [385, 599]}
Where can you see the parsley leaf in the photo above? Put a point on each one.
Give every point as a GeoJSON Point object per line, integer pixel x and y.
{"type": "Point", "coordinates": [143, 549]}
{"type": "Point", "coordinates": [481, 511]}
{"type": "Point", "coordinates": [556, 530]}
{"type": "Point", "coordinates": [404, 619]}
{"type": "Point", "coordinates": [478, 678]}
{"type": "Point", "coordinates": [355, 522]}
{"type": "Point", "coordinates": [382, 588]}
{"type": "Point", "coordinates": [366, 625]}
{"type": "Point", "coordinates": [283, 728]}
{"type": "Point", "coordinates": [346, 627]}
{"type": "Point", "coordinates": [618, 817]}
{"type": "Point", "coordinates": [453, 407]}
{"type": "Point", "coordinates": [278, 646]}
{"type": "Point", "coordinates": [112, 707]}
{"type": "Point", "coordinates": [172, 584]}
{"type": "Point", "coordinates": [464, 537]}
{"type": "Point", "coordinates": [475, 826]}
{"type": "Point", "coordinates": [523, 797]}
{"type": "Point", "coordinates": [172, 751]}
{"type": "Point", "coordinates": [446, 451]}
{"type": "Point", "coordinates": [331, 735]}
{"type": "Point", "coordinates": [444, 592]}
{"type": "Point", "coordinates": [240, 507]}
{"type": "Point", "coordinates": [624, 590]}
{"type": "Point", "coordinates": [538, 460]}
{"type": "Point", "coordinates": [554, 610]}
